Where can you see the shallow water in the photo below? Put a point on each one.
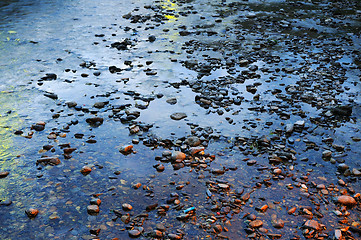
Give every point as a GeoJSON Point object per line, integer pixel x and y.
{"type": "Point", "coordinates": [73, 40]}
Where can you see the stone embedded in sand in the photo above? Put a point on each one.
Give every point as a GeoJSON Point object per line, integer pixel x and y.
{"type": "Point", "coordinates": [346, 200]}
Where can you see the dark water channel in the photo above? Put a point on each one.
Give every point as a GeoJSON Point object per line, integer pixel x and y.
{"type": "Point", "coordinates": [265, 140]}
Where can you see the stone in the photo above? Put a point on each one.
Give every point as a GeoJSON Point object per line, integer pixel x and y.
{"type": "Point", "coordinates": [93, 209]}
{"type": "Point", "coordinates": [48, 161]}
{"type": "Point", "coordinates": [356, 172]}
{"type": "Point", "coordinates": [127, 207]}
{"type": "Point", "coordinates": [177, 155]}
{"type": "Point", "coordinates": [4, 174]}
{"type": "Point", "coordinates": [256, 224]}
{"type": "Point", "coordinates": [346, 200]}
{"type": "Point", "coordinates": [172, 101]}
{"type": "Point", "coordinates": [134, 233]}
{"type": "Point", "coordinates": [99, 104]}
{"type": "Point", "coordinates": [326, 154]}
{"type": "Point", "coordinates": [193, 141]}
{"type": "Point", "coordinates": [178, 116]}
{"type": "Point", "coordinates": [32, 212]}
{"type": "Point", "coordinates": [338, 234]}
{"type": "Point", "coordinates": [126, 149]}
{"type": "Point", "coordinates": [278, 223]}
{"type": "Point", "coordinates": [85, 170]}
{"type": "Point", "coordinates": [312, 224]}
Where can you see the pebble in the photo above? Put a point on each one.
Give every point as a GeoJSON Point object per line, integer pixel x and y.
{"type": "Point", "coordinates": [256, 224]}
{"type": "Point", "coordinates": [178, 116]}
{"type": "Point", "coordinates": [93, 209]}
{"type": "Point", "coordinates": [127, 207]}
{"type": "Point", "coordinates": [4, 174]}
{"type": "Point", "coordinates": [85, 170]}
{"type": "Point", "coordinates": [177, 155]}
{"type": "Point", "coordinates": [134, 233]}
{"type": "Point", "coordinates": [346, 200]}
{"type": "Point", "coordinates": [126, 149]}
{"type": "Point", "coordinates": [49, 161]}
{"type": "Point", "coordinates": [312, 224]}
{"type": "Point", "coordinates": [32, 212]}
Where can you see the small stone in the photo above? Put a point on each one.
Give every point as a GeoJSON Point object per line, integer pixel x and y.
{"type": "Point", "coordinates": [356, 172]}
{"type": "Point", "coordinates": [346, 200]}
{"type": "Point", "coordinates": [338, 234]}
{"type": "Point", "coordinates": [193, 141]}
{"type": "Point", "coordinates": [32, 212]}
{"type": "Point", "coordinates": [93, 209]}
{"type": "Point", "coordinates": [4, 174]}
{"type": "Point", "coordinates": [177, 155]}
{"type": "Point", "coordinates": [292, 210]}
{"type": "Point", "coordinates": [217, 228]}
{"type": "Point", "coordinates": [134, 233]}
{"type": "Point", "coordinates": [312, 224]}
{"type": "Point", "coordinates": [326, 154]}
{"type": "Point", "coordinates": [137, 185]}
{"type": "Point", "coordinates": [95, 201]}
{"type": "Point", "coordinates": [256, 224]}
{"type": "Point", "coordinates": [278, 223]}
{"type": "Point", "coordinates": [6, 202]}
{"type": "Point", "coordinates": [172, 101]}
{"type": "Point", "coordinates": [99, 104]}
{"type": "Point", "coordinates": [49, 161]}
{"type": "Point", "coordinates": [172, 236]}
{"type": "Point", "coordinates": [178, 116]}
{"type": "Point", "coordinates": [126, 149]}
{"type": "Point", "coordinates": [71, 104]}
{"type": "Point", "coordinates": [127, 207]}
{"type": "Point", "coordinates": [85, 170]}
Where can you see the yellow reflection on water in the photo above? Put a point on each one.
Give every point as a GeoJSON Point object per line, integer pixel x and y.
{"type": "Point", "coordinates": [171, 6]}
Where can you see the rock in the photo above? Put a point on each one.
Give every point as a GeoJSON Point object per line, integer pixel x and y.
{"type": "Point", "coordinates": [326, 154]}
{"type": "Point", "coordinates": [51, 95]}
{"type": "Point", "coordinates": [6, 202]}
{"type": "Point", "coordinates": [256, 224]}
{"type": "Point", "coordinates": [342, 111]}
{"type": "Point", "coordinates": [95, 121]}
{"type": "Point", "coordinates": [71, 104]}
{"type": "Point", "coordinates": [342, 167]}
{"type": "Point", "coordinates": [68, 150]}
{"type": "Point", "coordinates": [278, 223]}
{"type": "Point", "coordinates": [160, 227]}
{"type": "Point", "coordinates": [93, 209]}
{"type": "Point", "coordinates": [312, 224]}
{"type": "Point", "coordinates": [38, 127]}
{"type": "Point", "coordinates": [127, 207]}
{"type": "Point", "coordinates": [338, 234]}
{"type": "Point", "coordinates": [172, 236]}
{"type": "Point", "coordinates": [4, 174]}
{"type": "Point", "coordinates": [85, 170]}
{"type": "Point", "coordinates": [99, 104]}
{"type": "Point", "coordinates": [95, 201]}
{"type": "Point", "coordinates": [136, 185]}
{"type": "Point", "coordinates": [134, 233]}
{"type": "Point", "coordinates": [356, 172]}
{"type": "Point", "coordinates": [346, 200]}
{"type": "Point", "coordinates": [126, 149]}
{"type": "Point", "coordinates": [178, 116]}
{"type": "Point", "coordinates": [289, 128]}
{"type": "Point", "coordinates": [48, 161]}
{"type": "Point", "coordinates": [151, 38]}
{"type": "Point", "coordinates": [196, 150]}
{"type": "Point", "coordinates": [172, 101]}
{"type": "Point", "coordinates": [217, 228]}
{"type": "Point", "coordinates": [32, 212]}
{"type": "Point", "coordinates": [292, 210]}
{"type": "Point", "coordinates": [193, 141]}
{"type": "Point", "coordinates": [177, 155]}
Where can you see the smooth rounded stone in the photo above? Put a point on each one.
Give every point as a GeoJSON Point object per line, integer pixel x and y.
{"type": "Point", "coordinates": [251, 162]}
{"type": "Point", "coordinates": [256, 224]}
{"type": "Point", "coordinates": [32, 212]}
{"type": "Point", "coordinates": [277, 171]}
{"type": "Point", "coordinates": [346, 200]}
{"type": "Point", "coordinates": [160, 168]}
{"type": "Point", "coordinates": [136, 185]}
{"type": "Point", "coordinates": [85, 170]}
{"type": "Point", "coordinates": [193, 141]}
{"type": "Point", "coordinates": [38, 127]}
{"type": "Point", "coordinates": [223, 186]}
{"type": "Point", "coordinates": [356, 172]}
{"type": "Point", "coordinates": [178, 116]}
{"type": "Point", "coordinates": [321, 186]}
{"type": "Point", "coordinates": [312, 224]}
{"type": "Point", "coordinates": [172, 236]}
{"type": "Point", "coordinates": [126, 149]}
{"type": "Point", "coordinates": [172, 101]}
{"type": "Point", "coordinates": [326, 154]}
{"type": "Point", "coordinates": [95, 120]}
{"type": "Point", "coordinates": [217, 228]}
{"type": "Point", "coordinates": [134, 233]}
{"type": "Point", "coordinates": [93, 209]}
{"type": "Point", "coordinates": [196, 150]}
{"type": "Point", "coordinates": [278, 223]}
{"type": "Point", "coordinates": [292, 210]}
{"type": "Point", "coordinates": [342, 167]}
{"type": "Point", "coordinates": [71, 104]}
{"type": "Point", "coordinates": [99, 104]}
{"type": "Point", "coordinates": [157, 234]}
{"type": "Point", "coordinates": [127, 207]}
{"type": "Point", "coordinates": [6, 202]}
{"type": "Point", "coordinates": [177, 155]}
{"type": "Point", "coordinates": [341, 182]}
{"type": "Point", "coordinates": [4, 174]}
{"type": "Point", "coordinates": [68, 150]}
{"type": "Point", "coordinates": [218, 171]}
{"type": "Point", "coordinates": [160, 227]}
{"type": "Point", "coordinates": [95, 201]}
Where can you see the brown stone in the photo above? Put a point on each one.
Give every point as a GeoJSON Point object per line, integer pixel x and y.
{"type": "Point", "coordinates": [346, 200]}
{"type": "Point", "coordinates": [256, 224]}
{"type": "Point", "coordinates": [4, 174]}
{"type": "Point", "coordinates": [312, 224]}
{"type": "Point", "coordinates": [134, 233]}
{"type": "Point", "coordinates": [126, 149]}
{"type": "Point", "coordinates": [49, 161]}
{"type": "Point", "coordinates": [92, 209]}
{"type": "Point", "coordinates": [85, 170]}
{"type": "Point", "coordinates": [127, 207]}
{"type": "Point", "coordinates": [32, 212]}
